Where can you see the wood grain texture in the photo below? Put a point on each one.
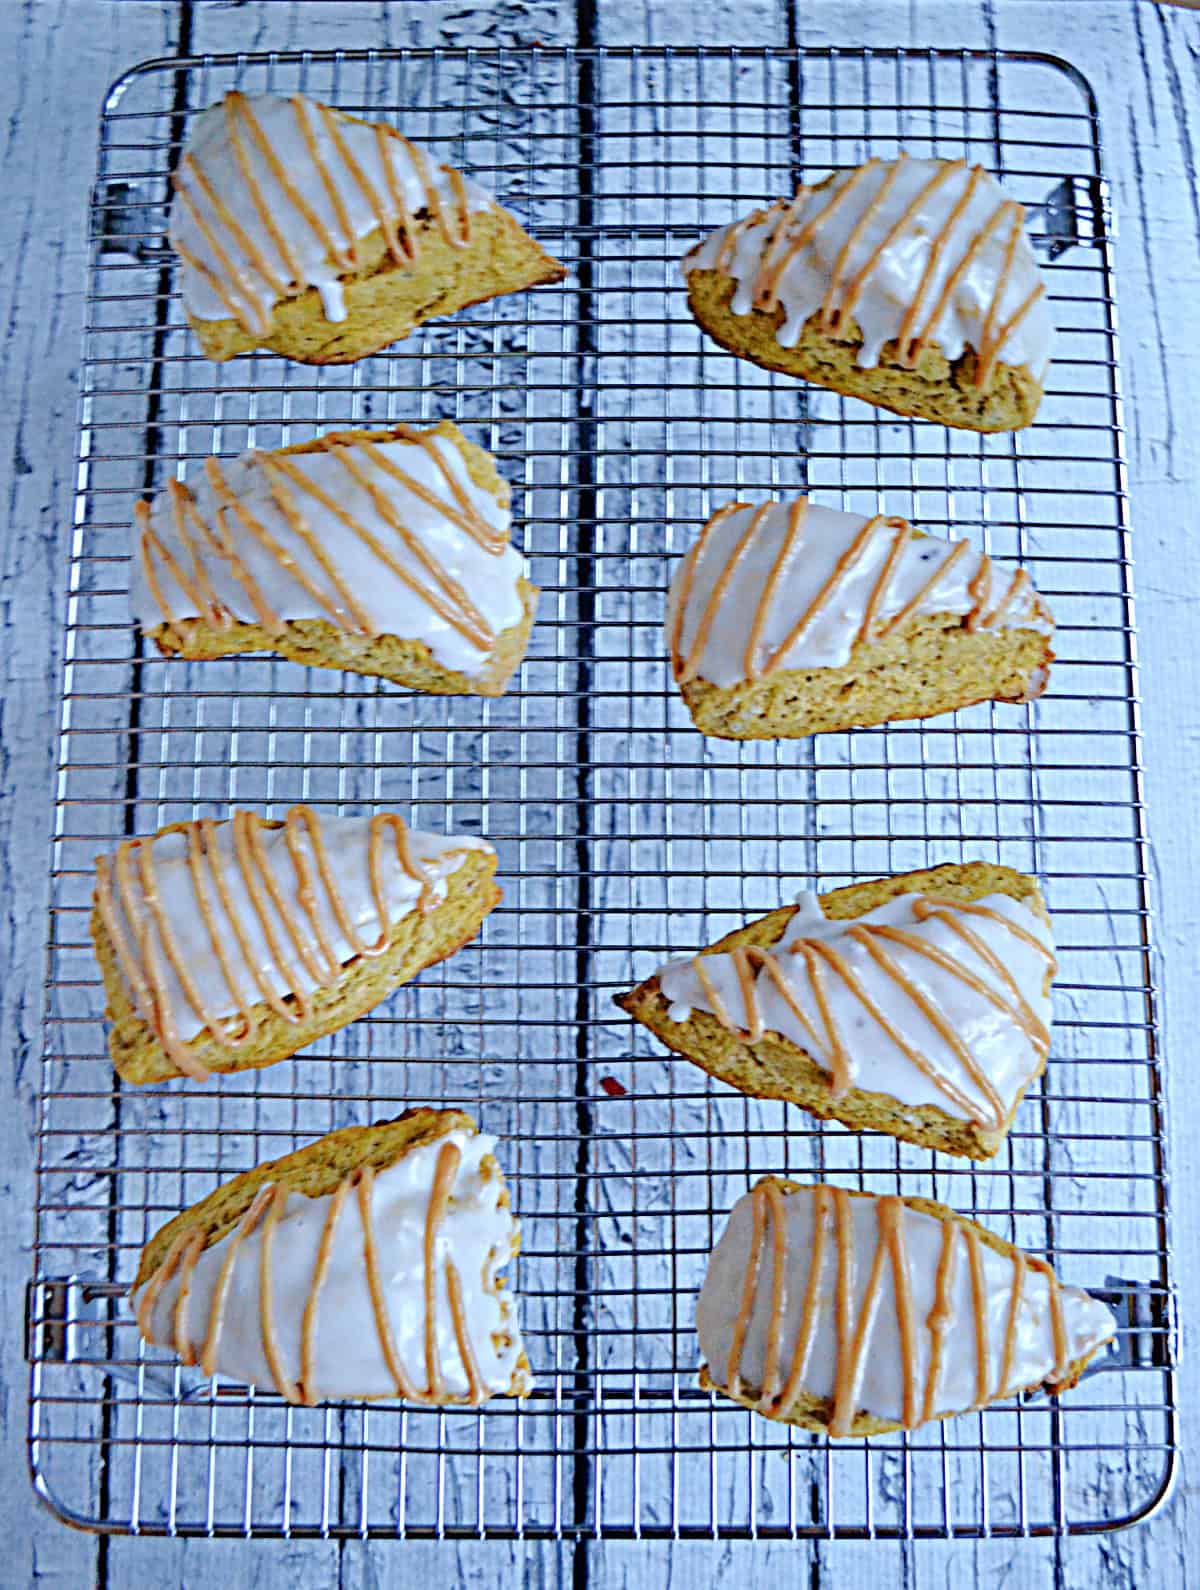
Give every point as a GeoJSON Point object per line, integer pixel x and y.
{"type": "Point", "coordinates": [1142, 60]}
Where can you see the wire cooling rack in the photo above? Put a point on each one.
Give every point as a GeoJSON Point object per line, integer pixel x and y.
{"type": "Point", "coordinates": [622, 833]}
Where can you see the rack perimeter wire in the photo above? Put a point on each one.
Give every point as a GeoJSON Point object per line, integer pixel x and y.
{"type": "Point", "coordinates": [623, 835]}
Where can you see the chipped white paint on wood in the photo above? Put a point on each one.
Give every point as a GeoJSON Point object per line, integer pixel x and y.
{"type": "Point", "coordinates": [1143, 62]}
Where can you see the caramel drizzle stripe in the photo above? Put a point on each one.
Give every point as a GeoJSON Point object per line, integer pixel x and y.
{"type": "Point", "coordinates": [184, 507]}
{"type": "Point", "coordinates": [476, 1389]}
{"type": "Point", "coordinates": [305, 817]}
{"type": "Point", "coordinates": [783, 213]}
{"type": "Point", "coordinates": [767, 963]}
{"type": "Point", "coordinates": [276, 1002]}
{"type": "Point", "coordinates": [734, 233]}
{"type": "Point", "coordinates": [766, 283]}
{"type": "Point", "coordinates": [383, 1326]}
{"type": "Point", "coordinates": [467, 616]}
{"type": "Point", "coordinates": [749, 1290]}
{"type": "Point", "coordinates": [742, 964]}
{"type": "Point", "coordinates": [308, 1325]}
{"type": "Point", "coordinates": [331, 123]}
{"type": "Point", "coordinates": [179, 1318]}
{"type": "Point", "coordinates": [1036, 1029]}
{"type": "Point", "coordinates": [708, 988]}
{"type": "Point", "coordinates": [250, 249]}
{"type": "Point", "coordinates": [1019, 581]}
{"type": "Point", "coordinates": [841, 568]}
{"type": "Point", "coordinates": [1010, 206]}
{"type": "Point", "coordinates": [159, 1015]}
{"type": "Point", "coordinates": [266, 1298]}
{"type": "Point", "coordinates": [900, 540]}
{"type": "Point", "coordinates": [262, 887]}
{"type": "Point", "coordinates": [773, 1199]}
{"type": "Point", "coordinates": [254, 188]}
{"type": "Point", "coordinates": [149, 539]}
{"type": "Point", "coordinates": [287, 187]}
{"type": "Point", "coordinates": [1020, 1013]}
{"type": "Point", "coordinates": [344, 254]}
{"type": "Point", "coordinates": [850, 1364]}
{"type": "Point", "coordinates": [445, 1170]}
{"type": "Point", "coordinates": [154, 1286]}
{"type": "Point", "coordinates": [889, 1214]}
{"type": "Point", "coordinates": [920, 1062]}
{"type": "Point", "coordinates": [130, 964]}
{"type": "Point", "coordinates": [957, 551]}
{"type": "Point", "coordinates": [797, 514]}
{"type": "Point", "coordinates": [229, 503]}
{"type": "Point", "coordinates": [984, 367]}
{"type": "Point", "coordinates": [807, 1328]}
{"type": "Point", "coordinates": [458, 617]}
{"type": "Point", "coordinates": [419, 873]}
{"type": "Point", "coordinates": [833, 314]}
{"type": "Point", "coordinates": [278, 470]}
{"type": "Point", "coordinates": [908, 344]}
{"type": "Point", "coordinates": [1010, 1328]}
{"type": "Point", "coordinates": [468, 516]}
{"type": "Point", "coordinates": [973, 908]}
{"type": "Point", "coordinates": [906, 217]}
{"type": "Point", "coordinates": [843, 1228]}
{"type": "Point", "coordinates": [695, 654]}
{"type": "Point", "coordinates": [979, 589]}
{"type": "Point", "coordinates": [201, 846]}
{"type": "Point", "coordinates": [941, 1315]}
{"type": "Point", "coordinates": [687, 577]}
{"type": "Point", "coordinates": [434, 199]}
{"type": "Point", "coordinates": [979, 1309]}
{"type": "Point", "coordinates": [232, 300]}
{"type": "Point", "coordinates": [216, 1315]}
{"type": "Point", "coordinates": [988, 346]}
{"type": "Point", "coordinates": [840, 1071]}
{"type": "Point", "coordinates": [1058, 1328]}
{"type": "Point", "coordinates": [402, 239]}
{"type": "Point", "coordinates": [866, 936]}
{"type": "Point", "coordinates": [217, 614]}
{"type": "Point", "coordinates": [247, 299]}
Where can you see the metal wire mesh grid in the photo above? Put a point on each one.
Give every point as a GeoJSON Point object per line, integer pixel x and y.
{"type": "Point", "coordinates": [622, 834]}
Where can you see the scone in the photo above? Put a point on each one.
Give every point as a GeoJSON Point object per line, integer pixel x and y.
{"type": "Point", "coordinates": [917, 1005]}
{"type": "Point", "coordinates": [365, 1265]}
{"type": "Point", "coordinates": [854, 1315]}
{"type": "Point", "coordinates": [792, 619]}
{"type": "Point", "coordinates": [381, 552]}
{"type": "Point", "coordinates": [325, 238]}
{"type": "Point", "coordinates": [910, 283]}
{"type": "Point", "coordinates": [231, 945]}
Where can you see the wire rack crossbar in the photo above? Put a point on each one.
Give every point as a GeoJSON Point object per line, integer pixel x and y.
{"type": "Point", "coordinates": [621, 834]}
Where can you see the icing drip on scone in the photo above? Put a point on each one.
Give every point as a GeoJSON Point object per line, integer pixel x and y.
{"type": "Point", "coordinates": [273, 195]}
{"type": "Point", "coordinates": [916, 252]}
{"type": "Point", "coordinates": [872, 1306]}
{"type": "Point", "coordinates": [374, 537]}
{"type": "Point", "coordinates": [931, 1001]}
{"type": "Point", "coordinates": [386, 1287]}
{"type": "Point", "coordinates": [793, 585]}
{"type": "Point", "coordinates": [210, 921]}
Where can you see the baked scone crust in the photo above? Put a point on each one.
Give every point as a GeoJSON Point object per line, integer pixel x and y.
{"type": "Point", "coordinates": [386, 302]}
{"type": "Point", "coordinates": [934, 389]}
{"type": "Point", "coordinates": [815, 1413]}
{"type": "Point", "coordinates": [316, 1170]}
{"type": "Point", "coordinates": [417, 941]}
{"type": "Point", "coordinates": [931, 664]}
{"type": "Point", "coordinates": [319, 644]}
{"type": "Point", "coordinates": [775, 1068]}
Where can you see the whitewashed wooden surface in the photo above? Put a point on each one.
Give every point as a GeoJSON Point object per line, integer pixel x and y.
{"type": "Point", "coordinates": [1144, 62]}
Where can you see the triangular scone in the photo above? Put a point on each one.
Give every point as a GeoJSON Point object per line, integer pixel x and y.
{"type": "Point", "coordinates": [917, 1005]}
{"type": "Point", "coordinates": [231, 945]}
{"type": "Point", "coordinates": [910, 283]}
{"type": "Point", "coordinates": [855, 1315]}
{"type": "Point", "coordinates": [382, 552]}
{"type": "Point", "coordinates": [381, 1246]}
{"type": "Point", "coordinates": [792, 619]}
{"type": "Point", "coordinates": [325, 238]}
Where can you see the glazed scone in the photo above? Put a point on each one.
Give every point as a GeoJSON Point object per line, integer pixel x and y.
{"type": "Point", "coordinates": [231, 945]}
{"type": "Point", "coordinates": [792, 619]}
{"type": "Point", "coordinates": [364, 1265]}
{"type": "Point", "coordinates": [380, 552]}
{"type": "Point", "coordinates": [325, 238]}
{"type": "Point", "coordinates": [917, 1005]}
{"type": "Point", "coordinates": [854, 1315]}
{"type": "Point", "coordinates": [910, 283]}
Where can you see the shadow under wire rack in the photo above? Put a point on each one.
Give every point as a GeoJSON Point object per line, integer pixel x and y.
{"type": "Point", "coordinates": [622, 833]}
